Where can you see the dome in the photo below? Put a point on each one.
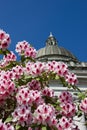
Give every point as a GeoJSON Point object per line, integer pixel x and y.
{"type": "Point", "coordinates": [53, 52]}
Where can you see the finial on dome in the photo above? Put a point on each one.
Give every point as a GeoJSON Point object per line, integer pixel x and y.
{"type": "Point", "coordinates": [51, 34]}
{"type": "Point", "coordinates": [51, 40]}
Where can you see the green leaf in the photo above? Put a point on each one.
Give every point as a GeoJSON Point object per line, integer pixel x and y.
{"type": "Point", "coordinates": [1, 51]}
{"type": "Point", "coordinates": [7, 51]}
{"type": "Point", "coordinates": [56, 77]}
{"type": "Point", "coordinates": [18, 127]}
{"type": "Point", "coordinates": [63, 81]}
{"type": "Point", "coordinates": [81, 96]}
{"type": "Point", "coordinates": [58, 108]}
{"type": "Point", "coordinates": [4, 52]}
{"type": "Point", "coordinates": [44, 128]}
{"type": "Point", "coordinates": [9, 119]}
{"type": "Point", "coordinates": [79, 113]}
{"type": "Point", "coordinates": [22, 58]}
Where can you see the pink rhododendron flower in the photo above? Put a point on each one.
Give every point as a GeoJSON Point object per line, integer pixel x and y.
{"type": "Point", "coordinates": [66, 124]}
{"type": "Point", "coordinates": [22, 115]}
{"type": "Point", "coordinates": [7, 87]}
{"type": "Point", "coordinates": [61, 70]}
{"type": "Point", "coordinates": [24, 48]}
{"type": "Point", "coordinates": [29, 128]}
{"type": "Point", "coordinates": [21, 47]}
{"type": "Point", "coordinates": [58, 67]}
{"type": "Point", "coordinates": [68, 109]}
{"type": "Point", "coordinates": [7, 75]}
{"type": "Point", "coordinates": [83, 105]}
{"type": "Point", "coordinates": [10, 127]}
{"type": "Point", "coordinates": [2, 63]}
{"type": "Point", "coordinates": [17, 72]}
{"type": "Point", "coordinates": [67, 105]}
{"type": "Point", "coordinates": [65, 97]}
{"type": "Point", "coordinates": [71, 78]}
{"type": "Point", "coordinates": [45, 114]}
{"type": "Point", "coordinates": [9, 57]}
{"type": "Point", "coordinates": [34, 85]}
{"type": "Point", "coordinates": [4, 39]}
{"type": "Point", "coordinates": [35, 69]}
{"type": "Point", "coordinates": [48, 92]}
{"type": "Point", "coordinates": [7, 126]}
{"type": "Point", "coordinates": [30, 52]}
{"type": "Point", "coordinates": [29, 97]}
{"type": "Point", "coordinates": [2, 125]}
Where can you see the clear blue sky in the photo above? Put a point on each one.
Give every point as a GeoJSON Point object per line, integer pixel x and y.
{"type": "Point", "coordinates": [33, 20]}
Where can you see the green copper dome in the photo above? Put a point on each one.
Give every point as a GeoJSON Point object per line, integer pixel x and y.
{"type": "Point", "coordinates": [53, 52]}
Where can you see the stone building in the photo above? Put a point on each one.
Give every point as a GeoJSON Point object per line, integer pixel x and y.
{"type": "Point", "coordinates": [52, 51]}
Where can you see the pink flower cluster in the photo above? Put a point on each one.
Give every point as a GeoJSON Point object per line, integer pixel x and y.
{"type": "Point", "coordinates": [65, 97]}
{"type": "Point", "coordinates": [71, 78]}
{"type": "Point", "coordinates": [59, 68]}
{"type": "Point", "coordinates": [67, 105]}
{"type": "Point", "coordinates": [9, 57]}
{"type": "Point", "coordinates": [4, 126]}
{"type": "Point", "coordinates": [29, 97]}
{"type": "Point", "coordinates": [17, 71]}
{"type": "Point", "coordinates": [66, 124]}
{"type": "Point", "coordinates": [22, 115]}
{"type": "Point", "coordinates": [35, 69]}
{"type": "Point", "coordinates": [45, 114]}
{"type": "Point", "coordinates": [24, 48]}
{"type": "Point", "coordinates": [31, 108]}
{"type": "Point", "coordinates": [7, 86]}
{"type": "Point", "coordinates": [83, 105]}
{"type": "Point", "coordinates": [4, 39]}
{"type": "Point", "coordinates": [48, 92]}
{"type": "Point", "coordinates": [34, 85]}
{"type": "Point", "coordinates": [68, 109]}
{"type": "Point", "coordinates": [7, 75]}
{"type": "Point", "coordinates": [2, 63]}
